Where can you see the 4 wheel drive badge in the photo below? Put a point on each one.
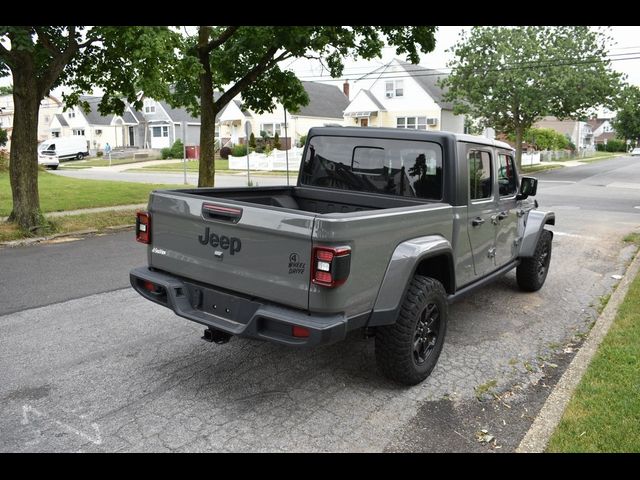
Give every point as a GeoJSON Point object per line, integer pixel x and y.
{"type": "Point", "coordinates": [295, 265]}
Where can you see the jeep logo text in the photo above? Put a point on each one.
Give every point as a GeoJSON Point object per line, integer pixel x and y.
{"type": "Point", "coordinates": [232, 244]}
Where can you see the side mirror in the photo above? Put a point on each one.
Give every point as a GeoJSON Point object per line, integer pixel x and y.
{"type": "Point", "coordinates": [528, 187]}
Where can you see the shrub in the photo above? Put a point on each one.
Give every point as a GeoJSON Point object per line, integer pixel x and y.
{"type": "Point", "coordinates": [601, 147]}
{"type": "Point", "coordinates": [614, 145]}
{"type": "Point", "coordinates": [239, 151]}
{"type": "Point", "coordinates": [166, 153]}
{"type": "Point", "coordinates": [177, 149]}
{"type": "Point", "coordinates": [99, 153]}
{"type": "Point", "coordinates": [252, 140]}
{"type": "Point", "coordinates": [225, 152]}
{"type": "Point", "coordinates": [302, 140]}
{"type": "Point", "coordinates": [4, 137]}
{"type": "Point", "coordinates": [276, 142]}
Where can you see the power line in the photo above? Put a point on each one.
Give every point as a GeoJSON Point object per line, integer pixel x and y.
{"type": "Point", "coordinates": [428, 72]}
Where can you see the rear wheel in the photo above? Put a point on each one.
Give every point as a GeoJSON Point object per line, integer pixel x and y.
{"type": "Point", "coordinates": [79, 156]}
{"type": "Point", "coordinates": [53, 167]}
{"type": "Point", "coordinates": [408, 350]}
{"type": "Point", "coordinates": [532, 271]}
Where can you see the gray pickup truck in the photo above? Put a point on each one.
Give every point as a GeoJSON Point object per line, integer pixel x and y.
{"type": "Point", "coordinates": [383, 230]}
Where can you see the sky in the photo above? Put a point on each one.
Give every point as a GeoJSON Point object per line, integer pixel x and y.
{"type": "Point", "coordinates": [625, 54]}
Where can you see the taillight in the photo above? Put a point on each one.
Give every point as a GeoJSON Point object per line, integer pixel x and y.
{"type": "Point", "coordinates": [300, 332]}
{"type": "Point", "coordinates": [143, 227]}
{"type": "Point", "coordinates": [330, 266]}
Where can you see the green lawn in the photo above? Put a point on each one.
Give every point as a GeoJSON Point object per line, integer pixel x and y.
{"type": "Point", "coordinates": [604, 413]}
{"type": "Point", "coordinates": [192, 166]}
{"type": "Point", "coordinates": [539, 168]}
{"type": "Point", "coordinates": [59, 193]}
{"type": "Point", "coordinates": [72, 223]}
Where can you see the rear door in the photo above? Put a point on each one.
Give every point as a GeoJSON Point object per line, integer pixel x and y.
{"type": "Point", "coordinates": [481, 208]}
{"type": "Point", "coordinates": [259, 251]}
{"type": "Point", "coordinates": [506, 222]}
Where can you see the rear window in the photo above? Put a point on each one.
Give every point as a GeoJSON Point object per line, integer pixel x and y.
{"type": "Point", "coordinates": [391, 167]}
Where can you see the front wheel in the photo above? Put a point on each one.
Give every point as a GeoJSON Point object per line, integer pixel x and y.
{"type": "Point", "coordinates": [408, 350]}
{"type": "Point", "coordinates": [79, 156]}
{"type": "Point", "coordinates": [532, 271]}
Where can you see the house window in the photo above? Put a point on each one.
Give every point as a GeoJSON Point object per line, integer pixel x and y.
{"type": "Point", "coordinates": [415, 123]}
{"type": "Point", "coordinates": [71, 114]}
{"type": "Point", "coordinates": [271, 128]}
{"type": "Point", "coordinates": [149, 106]}
{"type": "Point", "coordinates": [98, 132]}
{"type": "Point", "coordinates": [55, 134]}
{"type": "Point", "coordinates": [78, 131]}
{"type": "Point", "coordinates": [394, 88]}
{"type": "Point", "coordinates": [160, 131]}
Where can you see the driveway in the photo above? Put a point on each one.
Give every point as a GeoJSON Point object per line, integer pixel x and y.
{"type": "Point", "coordinates": [110, 371]}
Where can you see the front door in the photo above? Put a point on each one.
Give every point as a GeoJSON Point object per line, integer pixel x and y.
{"type": "Point", "coordinates": [131, 137]}
{"type": "Point", "coordinates": [506, 219]}
{"type": "Point", "coordinates": [364, 122]}
{"type": "Point", "coordinates": [481, 208]}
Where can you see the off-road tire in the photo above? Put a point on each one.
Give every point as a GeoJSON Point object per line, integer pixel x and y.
{"type": "Point", "coordinates": [532, 271]}
{"type": "Point", "coordinates": [395, 345]}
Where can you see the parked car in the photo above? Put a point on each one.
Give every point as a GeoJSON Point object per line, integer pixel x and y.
{"type": "Point", "coordinates": [48, 159]}
{"type": "Point", "coordinates": [383, 230]}
{"type": "Point", "coordinates": [64, 148]}
{"type": "Point", "coordinates": [635, 151]}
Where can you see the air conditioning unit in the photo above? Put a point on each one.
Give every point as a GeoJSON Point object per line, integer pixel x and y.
{"type": "Point", "coordinates": [432, 121]}
{"type": "Point", "coordinates": [389, 94]}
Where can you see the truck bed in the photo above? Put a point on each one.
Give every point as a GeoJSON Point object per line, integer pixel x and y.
{"type": "Point", "coordinates": [307, 199]}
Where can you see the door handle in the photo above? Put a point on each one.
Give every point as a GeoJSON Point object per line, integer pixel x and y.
{"type": "Point", "coordinates": [477, 221]}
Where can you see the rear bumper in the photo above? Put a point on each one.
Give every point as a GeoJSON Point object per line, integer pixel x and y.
{"type": "Point", "coordinates": [238, 315]}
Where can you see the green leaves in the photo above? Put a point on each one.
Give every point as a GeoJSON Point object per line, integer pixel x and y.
{"type": "Point", "coordinates": [509, 77]}
{"type": "Point", "coordinates": [627, 121]}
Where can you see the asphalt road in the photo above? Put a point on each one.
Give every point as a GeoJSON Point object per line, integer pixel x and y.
{"type": "Point", "coordinates": [87, 365]}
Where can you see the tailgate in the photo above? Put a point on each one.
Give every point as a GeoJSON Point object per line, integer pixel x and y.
{"type": "Point", "coordinates": [246, 248]}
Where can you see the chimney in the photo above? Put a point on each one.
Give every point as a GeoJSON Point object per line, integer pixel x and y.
{"type": "Point", "coordinates": [345, 88]}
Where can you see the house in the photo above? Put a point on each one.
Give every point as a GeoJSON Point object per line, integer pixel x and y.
{"type": "Point", "coordinates": [48, 108]}
{"type": "Point", "coordinates": [579, 132]}
{"type": "Point", "coordinates": [602, 130]}
{"type": "Point", "coordinates": [326, 106]}
{"type": "Point", "coordinates": [404, 96]}
{"type": "Point", "coordinates": [157, 126]}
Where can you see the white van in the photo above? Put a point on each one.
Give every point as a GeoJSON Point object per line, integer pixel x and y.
{"type": "Point", "coordinates": [51, 151]}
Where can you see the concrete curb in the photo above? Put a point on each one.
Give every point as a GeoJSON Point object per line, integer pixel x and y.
{"type": "Point", "coordinates": [79, 233]}
{"type": "Point", "coordinates": [537, 438]}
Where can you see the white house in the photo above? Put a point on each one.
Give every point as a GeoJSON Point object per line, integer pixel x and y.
{"type": "Point", "coordinates": [326, 106]}
{"type": "Point", "coordinates": [404, 96]}
{"type": "Point", "coordinates": [49, 106]}
{"type": "Point", "coordinates": [603, 130]}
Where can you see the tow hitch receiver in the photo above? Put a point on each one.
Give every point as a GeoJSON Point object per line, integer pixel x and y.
{"type": "Point", "coordinates": [216, 336]}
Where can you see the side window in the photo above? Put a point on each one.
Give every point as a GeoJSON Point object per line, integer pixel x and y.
{"type": "Point", "coordinates": [507, 176]}
{"type": "Point", "coordinates": [479, 175]}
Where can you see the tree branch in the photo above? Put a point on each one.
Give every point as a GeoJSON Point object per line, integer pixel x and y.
{"type": "Point", "coordinates": [7, 56]}
{"type": "Point", "coordinates": [263, 64]}
{"type": "Point", "coordinates": [224, 36]}
{"type": "Point", "coordinates": [45, 39]}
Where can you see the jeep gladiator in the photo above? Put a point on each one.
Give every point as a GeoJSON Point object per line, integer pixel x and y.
{"type": "Point", "coordinates": [384, 228]}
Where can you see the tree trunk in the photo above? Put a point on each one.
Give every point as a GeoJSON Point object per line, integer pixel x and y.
{"type": "Point", "coordinates": [23, 157]}
{"type": "Point", "coordinates": [206, 174]}
{"type": "Point", "coordinates": [519, 137]}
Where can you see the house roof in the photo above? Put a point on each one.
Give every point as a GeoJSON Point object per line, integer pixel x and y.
{"type": "Point", "coordinates": [326, 101]}
{"type": "Point", "coordinates": [178, 114]}
{"type": "Point", "coordinates": [374, 99]}
{"type": "Point", "coordinates": [128, 117]}
{"type": "Point", "coordinates": [93, 116]}
{"type": "Point", "coordinates": [61, 120]}
{"type": "Point", "coordinates": [428, 79]}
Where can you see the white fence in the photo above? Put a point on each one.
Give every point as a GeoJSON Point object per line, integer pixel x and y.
{"type": "Point", "coordinates": [531, 158]}
{"type": "Point", "coordinates": [276, 160]}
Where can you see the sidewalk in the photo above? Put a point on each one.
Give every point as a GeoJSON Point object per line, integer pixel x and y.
{"type": "Point", "coordinates": [127, 166]}
{"type": "Point", "coordinates": [113, 208]}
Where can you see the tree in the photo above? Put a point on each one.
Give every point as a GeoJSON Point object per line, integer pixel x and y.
{"type": "Point", "coordinates": [6, 90]}
{"type": "Point", "coordinates": [252, 140]}
{"type": "Point", "coordinates": [510, 77]}
{"type": "Point", "coordinates": [4, 137]}
{"type": "Point", "coordinates": [41, 58]}
{"type": "Point", "coordinates": [276, 141]}
{"type": "Point", "coordinates": [627, 121]}
{"type": "Point", "coordinates": [245, 59]}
